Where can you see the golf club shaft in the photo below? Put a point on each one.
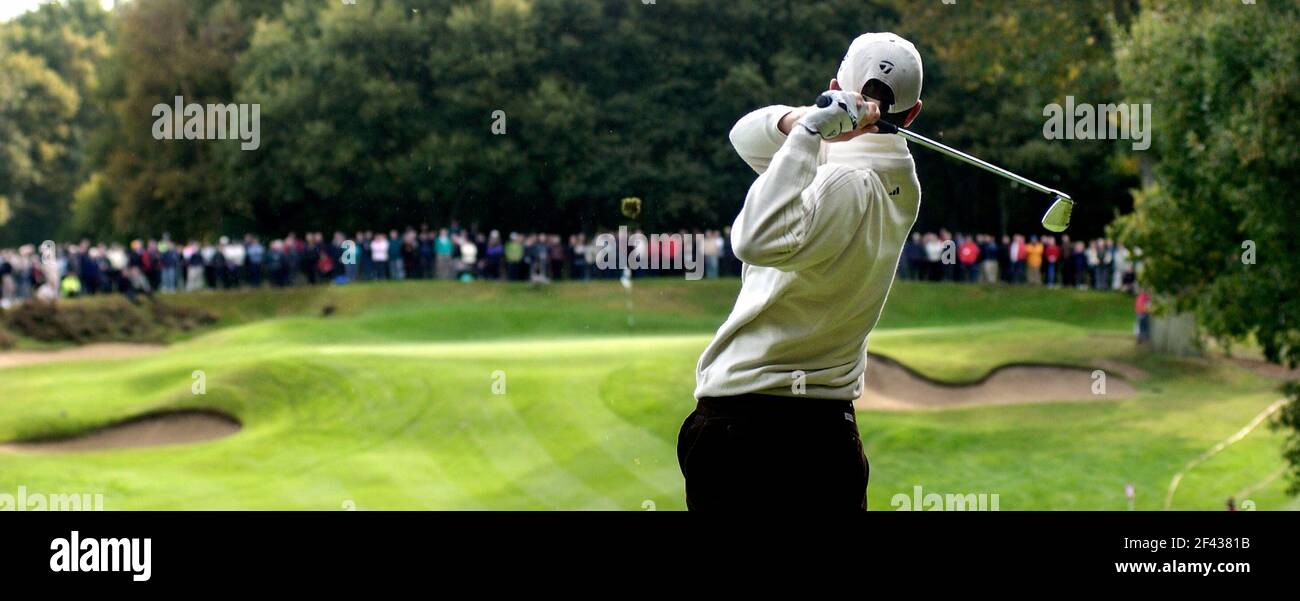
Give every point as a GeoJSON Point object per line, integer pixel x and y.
{"type": "Point", "coordinates": [889, 128]}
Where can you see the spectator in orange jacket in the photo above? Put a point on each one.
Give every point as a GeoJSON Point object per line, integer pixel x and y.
{"type": "Point", "coordinates": [1034, 261]}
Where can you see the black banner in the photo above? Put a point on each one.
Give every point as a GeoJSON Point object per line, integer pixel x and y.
{"type": "Point", "coordinates": [322, 550]}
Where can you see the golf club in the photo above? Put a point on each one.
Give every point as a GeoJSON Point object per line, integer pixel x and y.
{"type": "Point", "coordinates": [1057, 218]}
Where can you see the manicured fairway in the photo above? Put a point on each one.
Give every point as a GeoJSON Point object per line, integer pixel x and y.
{"type": "Point", "coordinates": [390, 403]}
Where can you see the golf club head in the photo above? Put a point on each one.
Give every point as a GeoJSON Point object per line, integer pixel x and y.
{"type": "Point", "coordinates": [1057, 217]}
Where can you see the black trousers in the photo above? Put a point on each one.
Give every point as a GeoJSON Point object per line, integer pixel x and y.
{"type": "Point", "coordinates": [759, 452]}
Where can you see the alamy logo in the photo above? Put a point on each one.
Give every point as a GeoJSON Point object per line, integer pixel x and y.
{"type": "Point", "coordinates": [76, 554]}
{"type": "Point", "coordinates": [36, 501]}
{"type": "Point", "coordinates": [920, 500]}
{"type": "Point", "coordinates": [634, 252]}
{"type": "Point", "coordinates": [209, 122]}
{"type": "Point", "coordinates": [1085, 121]}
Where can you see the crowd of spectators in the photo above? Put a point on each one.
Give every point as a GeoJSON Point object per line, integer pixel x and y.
{"type": "Point", "coordinates": [1100, 264]}
{"type": "Point", "coordinates": [167, 266]}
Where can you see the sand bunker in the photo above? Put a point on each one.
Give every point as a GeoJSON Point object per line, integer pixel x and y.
{"type": "Point", "coordinates": [150, 430]}
{"type": "Point", "coordinates": [78, 353]}
{"type": "Point", "coordinates": [1266, 369]}
{"type": "Point", "coordinates": [891, 386]}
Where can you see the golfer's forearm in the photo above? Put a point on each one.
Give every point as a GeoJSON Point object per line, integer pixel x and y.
{"type": "Point", "coordinates": [769, 229]}
{"type": "Point", "coordinates": [790, 119]}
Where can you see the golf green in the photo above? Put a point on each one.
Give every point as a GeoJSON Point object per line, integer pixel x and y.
{"type": "Point", "coordinates": [421, 395]}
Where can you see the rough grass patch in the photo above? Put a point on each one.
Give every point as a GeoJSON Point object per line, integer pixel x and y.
{"type": "Point", "coordinates": [113, 320]}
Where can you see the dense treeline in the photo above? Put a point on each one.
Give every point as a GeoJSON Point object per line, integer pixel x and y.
{"type": "Point", "coordinates": [383, 112]}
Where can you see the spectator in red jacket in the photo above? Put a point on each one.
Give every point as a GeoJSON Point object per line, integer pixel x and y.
{"type": "Point", "coordinates": [1143, 309]}
{"type": "Point", "coordinates": [968, 253]}
{"type": "Point", "coordinates": [1051, 255]}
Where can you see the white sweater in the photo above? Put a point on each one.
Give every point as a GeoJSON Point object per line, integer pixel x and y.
{"type": "Point", "coordinates": [820, 235]}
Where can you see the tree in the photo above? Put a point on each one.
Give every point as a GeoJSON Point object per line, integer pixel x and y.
{"type": "Point", "coordinates": [48, 64]}
{"type": "Point", "coordinates": [1216, 228]}
{"type": "Point", "coordinates": [343, 107]}
{"type": "Point", "coordinates": [165, 49]}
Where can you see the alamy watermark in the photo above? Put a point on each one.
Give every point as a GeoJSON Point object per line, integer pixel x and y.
{"type": "Point", "coordinates": [498, 382]}
{"type": "Point", "coordinates": [37, 501]}
{"type": "Point", "coordinates": [195, 121]}
{"type": "Point", "coordinates": [1083, 121]}
{"type": "Point", "coordinates": [680, 252]}
{"type": "Point", "coordinates": [1098, 382]}
{"type": "Point", "coordinates": [923, 501]}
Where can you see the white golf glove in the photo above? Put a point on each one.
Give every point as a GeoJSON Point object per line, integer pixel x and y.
{"type": "Point", "coordinates": [837, 112]}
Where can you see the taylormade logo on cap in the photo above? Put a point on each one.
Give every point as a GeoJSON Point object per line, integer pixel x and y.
{"type": "Point", "coordinates": [888, 58]}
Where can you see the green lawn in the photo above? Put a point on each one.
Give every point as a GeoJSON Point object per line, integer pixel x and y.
{"type": "Point", "coordinates": [389, 403]}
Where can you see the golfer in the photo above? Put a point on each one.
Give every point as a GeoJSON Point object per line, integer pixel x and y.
{"type": "Point", "coordinates": [820, 236]}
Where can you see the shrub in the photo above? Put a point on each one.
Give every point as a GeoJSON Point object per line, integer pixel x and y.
{"type": "Point", "coordinates": [176, 317]}
{"type": "Point", "coordinates": [103, 320]}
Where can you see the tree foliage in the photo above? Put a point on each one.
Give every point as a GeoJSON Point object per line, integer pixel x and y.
{"type": "Point", "coordinates": [382, 113]}
{"type": "Point", "coordinates": [48, 61]}
{"type": "Point", "coordinates": [1216, 226]}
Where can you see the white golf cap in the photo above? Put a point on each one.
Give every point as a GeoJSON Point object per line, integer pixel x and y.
{"type": "Point", "coordinates": [889, 58]}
